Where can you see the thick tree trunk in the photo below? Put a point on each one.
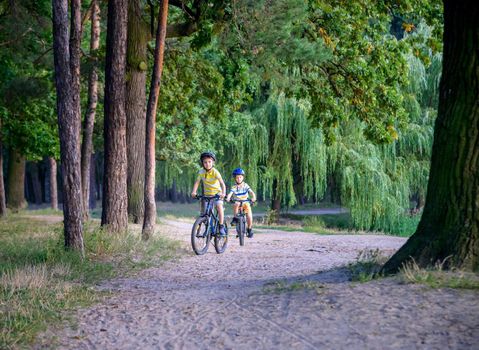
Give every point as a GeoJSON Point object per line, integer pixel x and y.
{"type": "Point", "coordinates": [114, 213]}
{"type": "Point", "coordinates": [150, 165]}
{"type": "Point", "coordinates": [16, 181]}
{"type": "Point", "coordinates": [3, 203]}
{"type": "Point", "coordinates": [449, 227]}
{"type": "Point", "coordinates": [67, 77]}
{"type": "Point", "coordinates": [53, 183]}
{"type": "Point", "coordinates": [138, 33]}
{"type": "Point", "coordinates": [87, 145]}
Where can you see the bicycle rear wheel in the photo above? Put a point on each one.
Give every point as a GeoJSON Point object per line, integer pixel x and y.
{"type": "Point", "coordinates": [221, 242]}
{"type": "Point", "coordinates": [240, 225]}
{"type": "Point", "coordinates": [200, 236]}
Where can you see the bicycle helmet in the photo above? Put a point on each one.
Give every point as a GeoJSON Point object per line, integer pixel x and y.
{"type": "Point", "coordinates": [238, 171]}
{"type": "Point", "coordinates": [207, 154]}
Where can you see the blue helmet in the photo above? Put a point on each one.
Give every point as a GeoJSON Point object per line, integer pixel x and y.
{"type": "Point", "coordinates": [238, 171]}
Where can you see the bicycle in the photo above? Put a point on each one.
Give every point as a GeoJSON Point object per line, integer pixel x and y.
{"type": "Point", "coordinates": [206, 226]}
{"type": "Point", "coordinates": [241, 219]}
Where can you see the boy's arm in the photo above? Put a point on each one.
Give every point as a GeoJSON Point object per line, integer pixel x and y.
{"type": "Point", "coordinates": [228, 197]}
{"type": "Point", "coordinates": [223, 187]}
{"type": "Point", "coordinates": [253, 195]}
{"type": "Point", "coordinates": [195, 188]}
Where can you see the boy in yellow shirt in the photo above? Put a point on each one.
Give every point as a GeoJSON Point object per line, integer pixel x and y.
{"type": "Point", "coordinates": [241, 191]}
{"type": "Point", "coordinates": [213, 185]}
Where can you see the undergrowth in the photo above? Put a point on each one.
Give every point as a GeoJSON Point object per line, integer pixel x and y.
{"type": "Point", "coordinates": [437, 277]}
{"type": "Point", "coordinates": [41, 283]}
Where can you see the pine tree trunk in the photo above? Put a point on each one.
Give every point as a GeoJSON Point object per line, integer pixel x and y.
{"type": "Point", "coordinates": [16, 181]}
{"type": "Point", "coordinates": [3, 203]}
{"type": "Point", "coordinates": [449, 227]}
{"type": "Point", "coordinates": [87, 145]}
{"type": "Point", "coordinates": [138, 33]}
{"type": "Point", "coordinates": [53, 183]}
{"type": "Point", "coordinates": [150, 164]}
{"type": "Point", "coordinates": [67, 77]}
{"type": "Point", "coordinates": [114, 213]}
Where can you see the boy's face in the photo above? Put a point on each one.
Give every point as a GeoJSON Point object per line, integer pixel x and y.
{"type": "Point", "coordinates": [239, 179]}
{"type": "Point", "coordinates": [208, 163]}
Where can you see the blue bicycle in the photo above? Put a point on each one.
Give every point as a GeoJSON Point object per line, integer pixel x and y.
{"type": "Point", "coordinates": [206, 226]}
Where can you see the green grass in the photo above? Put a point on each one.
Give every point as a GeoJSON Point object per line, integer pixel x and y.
{"type": "Point", "coordinates": [436, 277]}
{"type": "Point", "coordinates": [367, 266]}
{"type": "Point", "coordinates": [40, 282]}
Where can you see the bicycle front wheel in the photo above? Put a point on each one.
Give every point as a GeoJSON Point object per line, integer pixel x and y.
{"type": "Point", "coordinates": [200, 236]}
{"type": "Point", "coordinates": [221, 242]}
{"type": "Point", "coordinates": [240, 227]}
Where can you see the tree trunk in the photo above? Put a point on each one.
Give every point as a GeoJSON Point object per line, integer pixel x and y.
{"type": "Point", "coordinates": [449, 227]}
{"type": "Point", "coordinates": [87, 145]}
{"type": "Point", "coordinates": [53, 183]}
{"type": "Point", "coordinates": [67, 77]}
{"type": "Point", "coordinates": [137, 64]}
{"type": "Point", "coordinates": [36, 184]}
{"type": "Point", "coordinates": [3, 205]}
{"type": "Point", "coordinates": [114, 213]}
{"type": "Point", "coordinates": [150, 165]}
{"type": "Point", "coordinates": [16, 181]}
{"type": "Point", "coordinates": [275, 198]}
{"type": "Point", "coordinates": [92, 194]}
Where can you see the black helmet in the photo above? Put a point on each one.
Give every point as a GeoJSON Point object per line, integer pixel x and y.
{"type": "Point", "coordinates": [207, 154]}
{"type": "Point", "coordinates": [238, 171]}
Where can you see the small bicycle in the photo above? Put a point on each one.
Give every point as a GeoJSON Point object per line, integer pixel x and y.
{"type": "Point", "coordinates": [207, 226]}
{"type": "Point", "coordinates": [241, 219]}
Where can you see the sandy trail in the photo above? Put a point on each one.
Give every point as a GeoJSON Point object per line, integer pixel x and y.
{"type": "Point", "coordinates": [234, 301]}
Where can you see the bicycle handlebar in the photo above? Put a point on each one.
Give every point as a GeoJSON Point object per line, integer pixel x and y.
{"type": "Point", "coordinates": [198, 196]}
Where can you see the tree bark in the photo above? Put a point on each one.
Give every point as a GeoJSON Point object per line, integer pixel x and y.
{"type": "Point", "coordinates": [137, 64]}
{"type": "Point", "coordinates": [16, 181]}
{"type": "Point", "coordinates": [150, 165]}
{"type": "Point", "coordinates": [53, 183]}
{"type": "Point", "coordinates": [87, 145]}
{"type": "Point", "coordinates": [449, 227]}
{"type": "Point", "coordinates": [36, 184]}
{"type": "Point", "coordinates": [114, 213]}
{"type": "Point", "coordinates": [3, 204]}
{"type": "Point", "coordinates": [67, 80]}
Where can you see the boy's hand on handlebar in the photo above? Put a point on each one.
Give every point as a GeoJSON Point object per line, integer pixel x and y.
{"type": "Point", "coordinates": [193, 194]}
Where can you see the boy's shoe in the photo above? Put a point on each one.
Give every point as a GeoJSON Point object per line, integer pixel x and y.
{"type": "Point", "coordinates": [249, 232]}
{"type": "Point", "coordinates": [233, 222]}
{"type": "Point", "coordinates": [222, 230]}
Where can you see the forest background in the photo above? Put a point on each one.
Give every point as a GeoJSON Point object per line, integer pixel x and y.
{"type": "Point", "coordinates": [316, 100]}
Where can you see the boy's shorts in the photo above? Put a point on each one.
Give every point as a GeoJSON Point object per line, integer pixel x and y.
{"type": "Point", "coordinates": [246, 207]}
{"type": "Point", "coordinates": [203, 204]}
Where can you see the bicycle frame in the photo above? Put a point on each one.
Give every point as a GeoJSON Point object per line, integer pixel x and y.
{"type": "Point", "coordinates": [211, 213]}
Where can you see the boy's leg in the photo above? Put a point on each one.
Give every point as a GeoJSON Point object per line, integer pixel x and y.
{"type": "Point", "coordinates": [249, 220]}
{"type": "Point", "coordinates": [221, 212]}
{"type": "Point", "coordinates": [221, 215]}
{"type": "Point", "coordinates": [235, 212]}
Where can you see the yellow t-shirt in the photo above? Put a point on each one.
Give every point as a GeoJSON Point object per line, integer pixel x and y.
{"type": "Point", "coordinates": [211, 181]}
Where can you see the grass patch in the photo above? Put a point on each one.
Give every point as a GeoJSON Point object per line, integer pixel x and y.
{"type": "Point", "coordinates": [279, 287]}
{"type": "Point", "coordinates": [437, 277]}
{"type": "Point", "coordinates": [367, 266]}
{"type": "Point", "coordinates": [40, 282]}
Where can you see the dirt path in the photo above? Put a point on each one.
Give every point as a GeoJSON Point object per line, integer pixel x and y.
{"type": "Point", "coordinates": [247, 298]}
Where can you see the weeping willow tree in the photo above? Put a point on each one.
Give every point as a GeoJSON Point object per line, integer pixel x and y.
{"type": "Point", "coordinates": [278, 147]}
